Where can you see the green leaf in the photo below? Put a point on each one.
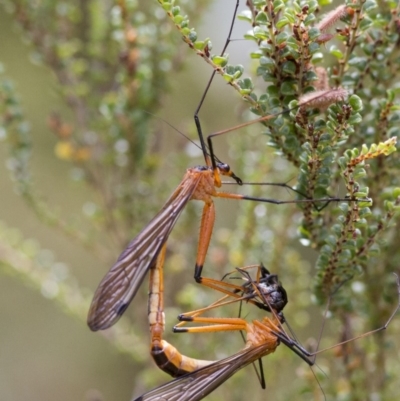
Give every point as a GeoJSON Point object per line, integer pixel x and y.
{"type": "Point", "coordinates": [245, 15]}
{"type": "Point", "coordinates": [260, 33]}
{"type": "Point", "coordinates": [317, 57]}
{"type": "Point", "coordinates": [262, 18]}
{"type": "Point", "coordinates": [289, 68]}
{"type": "Point", "coordinates": [358, 62]}
{"type": "Point", "coordinates": [366, 23]}
{"type": "Point", "coordinates": [282, 23]}
{"type": "Point", "coordinates": [369, 5]}
{"type": "Point", "coordinates": [178, 19]}
{"type": "Point", "coordinates": [313, 33]}
{"type": "Point", "coordinates": [281, 37]}
{"type": "Point", "coordinates": [267, 61]}
{"type": "Point", "coordinates": [355, 119]}
{"type": "Point", "coordinates": [175, 11]}
{"type": "Point", "coordinates": [192, 36]}
{"type": "Point", "coordinates": [355, 103]}
{"type": "Point", "coordinates": [288, 88]}
{"type": "Point", "coordinates": [220, 60]}
{"type": "Point", "coordinates": [336, 52]}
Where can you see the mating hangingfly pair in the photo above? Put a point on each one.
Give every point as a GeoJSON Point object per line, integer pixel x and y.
{"type": "Point", "coordinates": [198, 378]}
{"type": "Point", "coordinates": [147, 250]}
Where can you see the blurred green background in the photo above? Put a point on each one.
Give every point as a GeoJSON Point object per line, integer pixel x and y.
{"type": "Point", "coordinates": [44, 353]}
{"type": "Point", "coordinates": [48, 352]}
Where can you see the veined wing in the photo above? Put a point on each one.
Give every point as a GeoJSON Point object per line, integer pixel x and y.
{"type": "Point", "coordinates": [121, 283]}
{"type": "Point", "coordinates": [198, 384]}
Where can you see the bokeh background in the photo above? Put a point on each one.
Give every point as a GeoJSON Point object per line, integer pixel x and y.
{"type": "Point", "coordinates": [46, 349]}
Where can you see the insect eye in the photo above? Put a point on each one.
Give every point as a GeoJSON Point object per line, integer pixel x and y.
{"type": "Point", "coordinates": [223, 167]}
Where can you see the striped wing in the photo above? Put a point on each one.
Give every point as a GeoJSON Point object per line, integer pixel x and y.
{"type": "Point", "coordinates": [198, 384]}
{"type": "Point", "coordinates": [121, 283]}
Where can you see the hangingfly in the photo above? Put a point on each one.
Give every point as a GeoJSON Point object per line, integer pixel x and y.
{"type": "Point", "coordinates": [198, 378]}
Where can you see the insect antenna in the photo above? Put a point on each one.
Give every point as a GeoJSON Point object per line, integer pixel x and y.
{"type": "Point", "coordinates": [260, 371]}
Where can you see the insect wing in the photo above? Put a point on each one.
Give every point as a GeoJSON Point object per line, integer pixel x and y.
{"type": "Point", "coordinates": [121, 283]}
{"type": "Point", "coordinates": [198, 384]}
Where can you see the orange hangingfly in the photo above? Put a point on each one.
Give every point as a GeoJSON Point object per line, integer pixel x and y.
{"type": "Point", "coordinates": [198, 378]}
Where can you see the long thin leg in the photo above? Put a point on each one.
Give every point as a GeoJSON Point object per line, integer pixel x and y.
{"type": "Point", "coordinates": [208, 219]}
{"type": "Point", "coordinates": [265, 292]}
{"type": "Point", "coordinates": [248, 123]}
{"type": "Point", "coordinates": [384, 327]}
{"type": "Point", "coordinates": [206, 228]}
{"type": "Point", "coordinates": [222, 324]}
{"type": "Point", "coordinates": [196, 113]}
